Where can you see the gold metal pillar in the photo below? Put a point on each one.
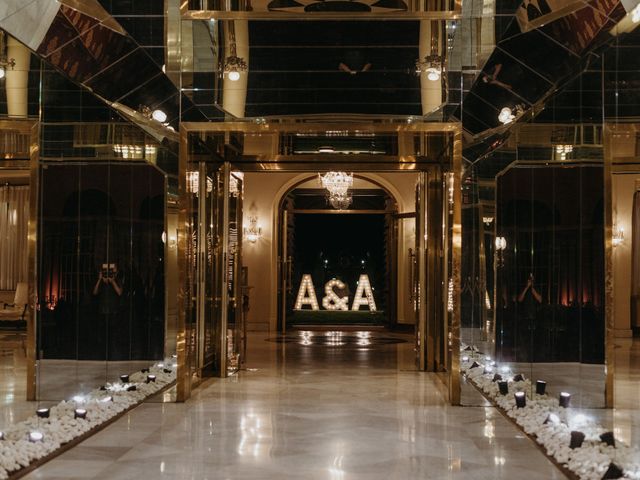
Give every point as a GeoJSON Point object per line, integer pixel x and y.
{"type": "Point", "coordinates": [456, 256]}
{"type": "Point", "coordinates": [32, 245]}
{"type": "Point", "coordinates": [183, 374]}
{"type": "Point", "coordinates": [435, 318]}
{"type": "Point", "coordinates": [609, 319]}
{"type": "Point", "coordinates": [421, 271]}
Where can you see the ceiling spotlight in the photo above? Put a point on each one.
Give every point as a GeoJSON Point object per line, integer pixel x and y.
{"type": "Point", "coordinates": [159, 116]}
{"type": "Point", "coordinates": [35, 436]}
{"type": "Point", "coordinates": [506, 115]}
{"type": "Point", "coordinates": [326, 149]}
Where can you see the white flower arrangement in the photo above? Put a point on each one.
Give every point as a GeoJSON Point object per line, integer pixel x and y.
{"type": "Point", "coordinates": [552, 425]}
{"type": "Point", "coordinates": [19, 447]}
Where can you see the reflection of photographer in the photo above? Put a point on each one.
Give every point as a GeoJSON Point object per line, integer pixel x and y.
{"type": "Point", "coordinates": [107, 288]}
{"type": "Point", "coordinates": [110, 329]}
{"type": "Point", "coordinates": [534, 294]}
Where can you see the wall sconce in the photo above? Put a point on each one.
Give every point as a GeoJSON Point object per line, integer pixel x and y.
{"type": "Point", "coordinates": [253, 233]}
{"type": "Point", "coordinates": [487, 220]}
{"type": "Point", "coordinates": [618, 236]}
{"type": "Point", "coordinates": [431, 65]}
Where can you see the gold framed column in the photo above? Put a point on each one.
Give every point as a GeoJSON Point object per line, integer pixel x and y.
{"type": "Point", "coordinates": [32, 245]}
{"type": "Point", "coordinates": [456, 258]}
{"type": "Point", "coordinates": [609, 320]}
{"type": "Point", "coordinates": [183, 374]}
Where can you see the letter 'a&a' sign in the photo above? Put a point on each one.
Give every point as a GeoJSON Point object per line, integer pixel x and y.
{"type": "Point", "coordinates": [331, 300]}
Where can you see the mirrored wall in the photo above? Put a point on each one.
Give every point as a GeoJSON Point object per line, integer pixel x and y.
{"type": "Point", "coordinates": [101, 306]}
{"type": "Point", "coordinates": [533, 274]}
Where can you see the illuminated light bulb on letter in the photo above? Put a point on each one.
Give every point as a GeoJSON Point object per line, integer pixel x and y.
{"type": "Point", "coordinates": [364, 294]}
{"type": "Point", "coordinates": [306, 294]}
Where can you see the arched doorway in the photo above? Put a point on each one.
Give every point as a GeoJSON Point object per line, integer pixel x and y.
{"type": "Point", "coordinates": [330, 251]}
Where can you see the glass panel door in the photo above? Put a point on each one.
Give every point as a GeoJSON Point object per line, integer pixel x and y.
{"type": "Point", "coordinates": [232, 255]}
{"type": "Point", "coordinates": [419, 271]}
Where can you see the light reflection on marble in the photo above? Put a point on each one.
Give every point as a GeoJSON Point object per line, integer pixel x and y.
{"type": "Point", "coordinates": [57, 380]}
{"type": "Point", "coordinates": [314, 412]}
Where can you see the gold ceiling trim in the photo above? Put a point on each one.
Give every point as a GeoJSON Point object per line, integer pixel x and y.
{"type": "Point", "coordinates": [320, 127]}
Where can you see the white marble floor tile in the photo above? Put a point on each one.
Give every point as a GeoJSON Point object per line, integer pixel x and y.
{"type": "Point", "coordinates": [310, 412]}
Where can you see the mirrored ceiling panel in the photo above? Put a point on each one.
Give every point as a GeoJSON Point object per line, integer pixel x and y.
{"type": "Point", "coordinates": [372, 67]}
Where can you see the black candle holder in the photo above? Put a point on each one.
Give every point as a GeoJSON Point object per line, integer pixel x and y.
{"type": "Point", "coordinates": [576, 439]}
{"type": "Point", "coordinates": [124, 378]}
{"type": "Point", "coordinates": [43, 413]}
{"type": "Point", "coordinates": [166, 370]}
{"type": "Point", "coordinates": [564, 399]}
{"type": "Point", "coordinates": [474, 365]}
{"type": "Point", "coordinates": [1, 435]}
{"type": "Point", "coordinates": [518, 378]}
{"type": "Point", "coordinates": [132, 388]}
{"type": "Point", "coordinates": [151, 378]}
{"type": "Point", "coordinates": [608, 438]}
{"type": "Point", "coordinates": [541, 387]}
{"type": "Point", "coordinates": [521, 399]}
{"type": "Point", "coordinates": [80, 413]}
{"type": "Point", "coordinates": [612, 472]}
{"type": "Point", "coordinates": [504, 387]}
{"type": "Point", "coordinates": [145, 370]}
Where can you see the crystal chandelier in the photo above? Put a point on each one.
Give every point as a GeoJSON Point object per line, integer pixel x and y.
{"type": "Point", "coordinates": [338, 185]}
{"type": "Point", "coordinates": [340, 202]}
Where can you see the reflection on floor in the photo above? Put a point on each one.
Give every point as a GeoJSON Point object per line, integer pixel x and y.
{"type": "Point", "coordinates": [585, 382]}
{"type": "Point", "coordinates": [57, 380]}
{"type": "Point", "coordinates": [13, 374]}
{"type": "Point", "coordinates": [315, 411]}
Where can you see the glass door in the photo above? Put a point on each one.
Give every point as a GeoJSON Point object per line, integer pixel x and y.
{"type": "Point", "coordinates": [419, 273]}
{"type": "Point", "coordinates": [231, 329]}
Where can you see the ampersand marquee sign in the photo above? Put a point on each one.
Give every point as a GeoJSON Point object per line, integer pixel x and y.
{"type": "Point", "coordinates": [331, 301]}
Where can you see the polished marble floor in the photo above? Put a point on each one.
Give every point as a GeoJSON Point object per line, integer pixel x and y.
{"type": "Point", "coordinates": [339, 410]}
{"type": "Point", "coordinates": [314, 405]}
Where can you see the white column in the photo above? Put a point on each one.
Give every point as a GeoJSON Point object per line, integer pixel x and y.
{"type": "Point", "coordinates": [17, 79]}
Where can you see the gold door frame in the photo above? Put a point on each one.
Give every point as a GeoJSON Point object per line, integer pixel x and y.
{"type": "Point", "coordinates": [32, 129]}
{"type": "Point", "coordinates": [449, 187]}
